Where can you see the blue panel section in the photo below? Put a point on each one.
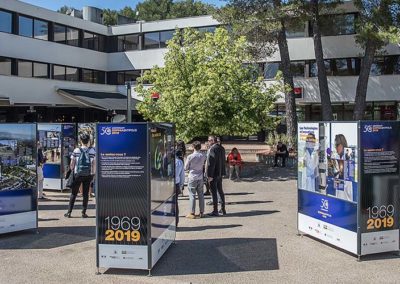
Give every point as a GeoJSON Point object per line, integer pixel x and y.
{"type": "Point", "coordinates": [17, 201]}
{"type": "Point", "coordinates": [52, 171]}
{"type": "Point", "coordinates": [334, 211]}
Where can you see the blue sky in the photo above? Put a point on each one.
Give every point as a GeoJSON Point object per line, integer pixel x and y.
{"type": "Point", "coordinates": [111, 4]}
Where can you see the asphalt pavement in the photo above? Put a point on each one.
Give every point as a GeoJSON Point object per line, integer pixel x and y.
{"type": "Point", "coordinates": [256, 242]}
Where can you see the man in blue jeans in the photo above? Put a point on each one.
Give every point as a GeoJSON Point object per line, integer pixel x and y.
{"type": "Point", "coordinates": [195, 164]}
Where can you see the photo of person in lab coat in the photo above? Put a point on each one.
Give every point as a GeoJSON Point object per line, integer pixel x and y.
{"type": "Point", "coordinates": [311, 163]}
{"type": "Point", "coordinates": [344, 188]}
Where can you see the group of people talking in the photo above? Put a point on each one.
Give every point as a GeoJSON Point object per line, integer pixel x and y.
{"type": "Point", "coordinates": [208, 169]}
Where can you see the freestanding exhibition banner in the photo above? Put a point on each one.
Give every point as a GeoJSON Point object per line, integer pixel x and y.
{"type": "Point", "coordinates": [57, 142]}
{"type": "Point", "coordinates": [18, 181]}
{"type": "Point", "coordinates": [348, 184]}
{"type": "Point", "coordinates": [135, 194]}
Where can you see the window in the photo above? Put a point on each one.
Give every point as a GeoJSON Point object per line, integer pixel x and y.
{"type": "Point", "coordinates": [93, 41]}
{"type": "Point", "coordinates": [151, 40]}
{"type": "Point", "coordinates": [72, 74]}
{"type": "Point", "coordinates": [40, 29]}
{"type": "Point", "coordinates": [25, 68]}
{"type": "Point", "coordinates": [386, 65]}
{"type": "Point", "coordinates": [25, 26]}
{"type": "Point", "coordinates": [87, 75]}
{"type": "Point", "coordinates": [338, 67]}
{"type": "Point", "coordinates": [60, 33]}
{"type": "Point", "coordinates": [93, 76]}
{"type": "Point", "coordinates": [40, 70]}
{"type": "Point", "coordinates": [121, 43]}
{"type": "Point", "coordinates": [125, 76]}
{"type": "Point", "coordinates": [88, 40]}
{"type": "Point", "coordinates": [58, 72]}
{"type": "Point", "coordinates": [99, 77]}
{"type": "Point", "coordinates": [72, 36]}
{"type": "Point", "coordinates": [5, 66]}
{"type": "Point", "coordinates": [297, 68]}
{"type": "Point", "coordinates": [209, 29]}
{"type": "Point", "coordinates": [333, 25]}
{"type": "Point", "coordinates": [131, 42]}
{"type": "Point", "coordinates": [5, 22]}
{"type": "Point", "coordinates": [164, 37]}
{"type": "Point", "coordinates": [272, 68]}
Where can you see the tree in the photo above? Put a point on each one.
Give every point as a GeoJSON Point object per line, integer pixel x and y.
{"type": "Point", "coordinates": [379, 24]}
{"type": "Point", "coordinates": [204, 87]}
{"type": "Point", "coordinates": [265, 23]}
{"type": "Point", "coordinates": [152, 10]}
{"type": "Point", "coordinates": [110, 17]}
{"type": "Point", "coordinates": [128, 12]}
{"type": "Point", "coordinates": [64, 9]}
{"type": "Point", "coordinates": [315, 9]}
{"type": "Point", "coordinates": [190, 8]}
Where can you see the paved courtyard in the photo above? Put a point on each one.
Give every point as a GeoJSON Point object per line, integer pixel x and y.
{"type": "Point", "coordinates": [255, 243]}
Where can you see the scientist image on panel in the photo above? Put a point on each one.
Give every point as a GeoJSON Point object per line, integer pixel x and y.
{"type": "Point", "coordinates": [311, 162]}
{"type": "Point", "coordinates": [340, 145]}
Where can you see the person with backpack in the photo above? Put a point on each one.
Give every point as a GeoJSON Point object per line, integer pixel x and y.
{"type": "Point", "coordinates": [83, 168]}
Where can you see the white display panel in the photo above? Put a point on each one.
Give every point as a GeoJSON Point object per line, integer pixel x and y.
{"type": "Point", "coordinates": [159, 247]}
{"type": "Point", "coordinates": [123, 256]}
{"type": "Point", "coordinates": [18, 222]}
{"type": "Point", "coordinates": [329, 233]}
{"type": "Point", "coordinates": [377, 242]}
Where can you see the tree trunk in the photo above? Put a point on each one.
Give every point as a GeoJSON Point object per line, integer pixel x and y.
{"type": "Point", "coordinates": [290, 100]}
{"type": "Point", "coordinates": [362, 83]}
{"type": "Point", "coordinates": [326, 106]}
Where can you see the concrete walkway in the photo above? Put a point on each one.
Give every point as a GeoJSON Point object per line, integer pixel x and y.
{"type": "Point", "coordinates": [255, 243]}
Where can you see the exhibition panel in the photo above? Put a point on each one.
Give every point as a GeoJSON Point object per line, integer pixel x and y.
{"type": "Point", "coordinates": [348, 184]}
{"type": "Point", "coordinates": [57, 142]}
{"type": "Point", "coordinates": [18, 181]}
{"type": "Point", "coordinates": [125, 174]}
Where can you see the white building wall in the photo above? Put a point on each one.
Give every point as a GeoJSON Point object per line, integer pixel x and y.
{"type": "Point", "coordinates": [50, 52]}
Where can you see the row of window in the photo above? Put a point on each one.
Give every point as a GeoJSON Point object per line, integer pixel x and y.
{"type": "Point", "coordinates": [30, 69]}
{"type": "Point", "coordinates": [44, 30]}
{"type": "Point", "coordinates": [382, 65]}
{"type": "Point", "coordinates": [341, 24]}
{"type": "Point", "coordinates": [148, 40]}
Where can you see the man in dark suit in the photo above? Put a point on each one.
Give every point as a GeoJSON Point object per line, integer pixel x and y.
{"type": "Point", "coordinates": [215, 170]}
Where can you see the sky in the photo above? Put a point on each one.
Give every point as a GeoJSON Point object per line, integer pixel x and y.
{"type": "Point", "coordinates": [111, 4]}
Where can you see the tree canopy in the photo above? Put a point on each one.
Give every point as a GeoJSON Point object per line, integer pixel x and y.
{"type": "Point", "coordinates": [204, 87]}
{"type": "Point", "coordinates": [153, 10]}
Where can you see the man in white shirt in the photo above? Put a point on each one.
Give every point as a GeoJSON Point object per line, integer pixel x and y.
{"type": "Point", "coordinates": [194, 164]}
{"type": "Point", "coordinates": [179, 181]}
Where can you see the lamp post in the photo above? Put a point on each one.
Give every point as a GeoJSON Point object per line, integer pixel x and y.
{"type": "Point", "coordinates": [129, 100]}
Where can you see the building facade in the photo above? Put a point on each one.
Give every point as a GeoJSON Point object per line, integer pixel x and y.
{"type": "Point", "coordinates": [56, 67]}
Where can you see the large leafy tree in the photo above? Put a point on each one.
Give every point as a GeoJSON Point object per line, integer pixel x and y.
{"type": "Point", "coordinates": [151, 10]}
{"type": "Point", "coordinates": [379, 24]}
{"type": "Point", "coordinates": [204, 87]}
{"type": "Point", "coordinates": [265, 24]}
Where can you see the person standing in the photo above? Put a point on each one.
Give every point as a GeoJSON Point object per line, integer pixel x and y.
{"type": "Point", "coordinates": [40, 176]}
{"type": "Point", "coordinates": [179, 181]}
{"type": "Point", "coordinates": [282, 152]}
{"type": "Point", "coordinates": [215, 171]}
{"type": "Point", "coordinates": [83, 165]}
{"type": "Point", "coordinates": [194, 164]}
